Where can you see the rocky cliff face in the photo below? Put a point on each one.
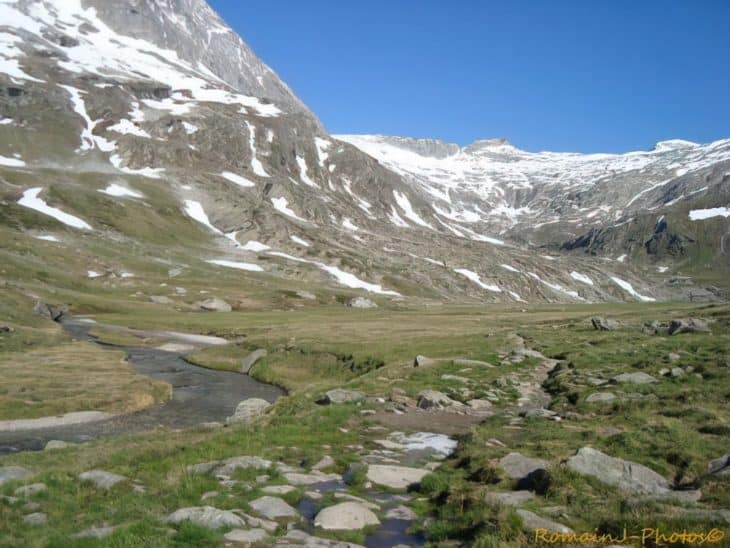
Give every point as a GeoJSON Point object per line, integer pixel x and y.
{"type": "Point", "coordinates": [136, 128]}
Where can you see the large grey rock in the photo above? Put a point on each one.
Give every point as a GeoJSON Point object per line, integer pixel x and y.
{"type": "Point", "coordinates": [345, 516]}
{"type": "Point", "coordinates": [603, 324]}
{"type": "Point", "coordinates": [214, 304]}
{"type": "Point", "coordinates": [526, 470]}
{"type": "Point", "coordinates": [248, 410]}
{"type": "Point", "coordinates": [246, 537]}
{"type": "Point", "coordinates": [101, 478]}
{"type": "Point", "coordinates": [297, 478]}
{"type": "Point", "coordinates": [249, 361]}
{"type": "Point", "coordinates": [420, 361]}
{"type": "Point", "coordinates": [273, 508]}
{"type": "Point", "coordinates": [720, 465]}
{"type": "Point", "coordinates": [206, 516]}
{"type": "Point", "coordinates": [531, 522]}
{"type": "Point", "coordinates": [55, 444]}
{"type": "Point", "coordinates": [395, 477]}
{"type": "Point", "coordinates": [340, 395]}
{"type": "Point", "coordinates": [688, 325]}
{"type": "Point", "coordinates": [430, 399]}
{"type": "Point", "coordinates": [626, 475]}
{"type": "Point", "coordinates": [13, 473]}
{"type": "Point", "coordinates": [635, 378]}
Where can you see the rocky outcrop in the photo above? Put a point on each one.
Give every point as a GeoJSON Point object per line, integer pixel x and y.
{"type": "Point", "coordinates": [345, 516]}
{"type": "Point", "coordinates": [688, 325]}
{"type": "Point", "coordinates": [50, 311]}
{"type": "Point", "coordinates": [214, 304]}
{"type": "Point", "coordinates": [603, 324]}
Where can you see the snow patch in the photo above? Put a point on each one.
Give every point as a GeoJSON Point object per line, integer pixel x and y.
{"type": "Point", "coordinates": [31, 200]}
{"type": "Point", "coordinates": [196, 212]}
{"type": "Point", "coordinates": [474, 277]}
{"type": "Point", "coordinates": [256, 165]}
{"type": "Point", "coordinates": [701, 214]}
{"type": "Point", "coordinates": [303, 176]}
{"type": "Point", "coordinates": [237, 179]}
{"type": "Point", "coordinates": [11, 162]}
{"type": "Point", "coordinates": [298, 240]}
{"type": "Point", "coordinates": [405, 204]}
{"type": "Point", "coordinates": [282, 205]}
{"type": "Point", "coordinates": [626, 286]}
{"type": "Point", "coordinates": [120, 191]}
{"type": "Point", "coordinates": [581, 278]}
{"type": "Point", "coordinates": [237, 265]}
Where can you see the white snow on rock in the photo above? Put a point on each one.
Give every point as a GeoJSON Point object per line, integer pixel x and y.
{"type": "Point", "coordinates": [47, 238]}
{"type": "Point", "coordinates": [6, 121]}
{"type": "Point", "coordinates": [701, 214]}
{"type": "Point", "coordinates": [419, 441]}
{"type": "Point", "coordinates": [9, 52]}
{"type": "Point", "coordinates": [11, 162]}
{"type": "Point", "coordinates": [349, 225]}
{"type": "Point", "coordinates": [256, 165]}
{"type": "Point", "coordinates": [120, 191]}
{"type": "Point", "coordinates": [405, 204]}
{"type": "Point", "coordinates": [362, 204]}
{"type": "Point", "coordinates": [93, 274]}
{"type": "Point", "coordinates": [298, 240]}
{"type": "Point", "coordinates": [282, 205]}
{"type": "Point", "coordinates": [342, 277]}
{"type": "Point", "coordinates": [255, 246]}
{"type": "Point", "coordinates": [581, 278]}
{"type": "Point", "coordinates": [189, 128]}
{"type": "Point", "coordinates": [626, 286]}
{"type": "Point", "coordinates": [662, 269]}
{"type": "Point", "coordinates": [150, 172]}
{"type": "Point", "coordinates": [510, 268]}
{"type": "Point", "coordinates": [196, 212]}
{"type": "Point", "coordinates": [322, 145]}
{"type": "Point", "coordinates": [31, 200]}
{"type": "Point", "coordinates": [396, 219]}
{"type": "Point", "coordinates": [88, 139]}
{"type": "Point", "coordinates": [303, 176]}
{"type": "Point", "coordinates": [237, 179]}
{"type": "Point", "coordinates": [127, 127]}
{"type": "Point", "coordinates": [554, 286]}
{"type": "Point", "coordinates": [474, 277]}
{"type": "Point", "coordinates": [237, 265]}
{"type": "Point", "coordinates": [622, 258]}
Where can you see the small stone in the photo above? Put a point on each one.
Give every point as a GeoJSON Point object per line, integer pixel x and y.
{"type": "Point", "coordinates": [673, 357]}
{"type": "Point", "coordinates": [402, 513]}
{"type": "Point", "coordinates": [101, 478]}
{"type": "Point", "coordinates": [209, 495]}
{"type": "Point", "coordinates": [30, 490]}
{"type": "Point", "coordinates": [246, 537]}
{"type": "Point", "coordinates": [677, 372]}
{"type": "Point", "coordinates": [206, 516]}
{"type": "Point", "coordinates": [532, 522]}
{"type": "Point", "coordinates": [36, 518]}
{"type": "Point", "coordinates": [273, 508]}
{"type": "Point", "coordinates": [420, 361]}
{"type": "Point", "coordinates": [345, 516]}
{"type": "Point", "coordinates": [601, 397]}
{"type": "Point", "coordinates": [324, 462]}
{"type": "Point", "coordinates": [248, 410]}
{"type": "Point", "coordinates": [13, 473]}
{"type": "Point", "coordinates": [340, 395]}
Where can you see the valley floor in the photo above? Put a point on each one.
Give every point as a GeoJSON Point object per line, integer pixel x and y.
{"type": "Point", "coordinates": [541, 404]}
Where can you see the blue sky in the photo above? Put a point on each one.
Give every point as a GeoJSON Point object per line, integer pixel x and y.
{"type": "Point", "coordinates": [558, 75]}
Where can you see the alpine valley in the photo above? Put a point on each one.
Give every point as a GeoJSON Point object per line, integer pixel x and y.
{"type": "Point", "coordinates": [182, 243]}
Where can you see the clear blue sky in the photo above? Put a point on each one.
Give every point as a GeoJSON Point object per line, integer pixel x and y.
{"type": "Point", "coordinates": [578, 75]}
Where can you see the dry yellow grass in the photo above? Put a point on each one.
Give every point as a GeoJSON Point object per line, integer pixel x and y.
{"type": "Point", "coordinates": [74, 376]}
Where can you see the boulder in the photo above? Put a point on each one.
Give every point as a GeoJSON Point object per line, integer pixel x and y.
{"type": "Point", "coordinates": [345, 516]}
{"type": "Point", "coordinates": [526, 470]}
{"type": "Point", "coordinates": [511, 498]}
{"type": "Point", "coordinates": [13, 473]}
{"type": "Point", "coordinates": [278, 489]}
{"type": "Point", "coordinates": [628, 476]}
{"type": "Point", "coordinates": [688, 325]}
{"type": "Point", "coordinates": [228, 466]}
{"type": "Point", "coordinates": [248, 410]}
{"type": "Point", "coordinates": [101, 478]}
{"type": "Point", "coordinates": [246, 537]}
{"type": "Point", "coordinates": [4, 328]}
{"type": "Point", "coordinates": [673, 357]}
{"type": "Point", "coordinates": [429, 399]}
{"type": "Point", "coordinates": [634, 378]}
{"type": "Point", "coordinates": [479, 405]}
{"type": "Point", "coordinates": [361, 302]}
{"type": "Point", "coordinates": [249, 361]}
{"type": "Point", "coordinates": [214, 304]}
{"type": "Point", "coordinates": [324, 462]}
{"type": "Point", "coordinates": [206, 516]}
{"type": "Point", "coordinates": [161, 299]}
{"type": "Point", "coordinates": [50, 311]}
{"type": "Point", "coordinates": [603, 324]}
{"type": "Point", "coordinates": [420, 361]}
{"type": "Point", "coordinates": [296, 478]}
{"type": "Point", "coordinates": [340, 395]}
{"type": "Point", "coordinates": [296, 537]}
{"type": "Point", "coordinates": [601, 397]}
{"type": "Point", "coordinates": [395, 477]}
{"type": "Point", "coordinates": [720, 465]}
{"type": "Point", "coordinates": [273, 508]}
{"type": "Point", "coordinates": [531, 522]}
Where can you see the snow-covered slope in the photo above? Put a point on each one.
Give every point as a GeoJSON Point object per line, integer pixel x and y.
{"type": "Point", "coordinates": [154, 124]}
